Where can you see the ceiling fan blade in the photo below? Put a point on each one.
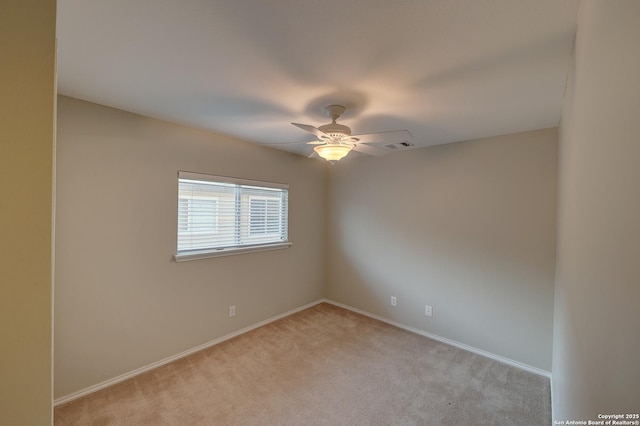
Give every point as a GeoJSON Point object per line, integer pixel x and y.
{"type": "Point", "coordinates": [394, 136]}
{"type": "Point", "coordinates": [316, 143]}
{"type": "Point", "coordinates": [370, 150]}
{"type": "Point", "coordinates": [319, 133]}
{"type": "Point", "coordinates": [313, 155]}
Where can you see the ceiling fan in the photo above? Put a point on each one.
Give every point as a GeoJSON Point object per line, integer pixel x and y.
{"type": "Point", "coordinates": [335, 140]}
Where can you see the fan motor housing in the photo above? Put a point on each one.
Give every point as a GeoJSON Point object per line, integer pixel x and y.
{"type": "Point", "coordinates": [336, 130]}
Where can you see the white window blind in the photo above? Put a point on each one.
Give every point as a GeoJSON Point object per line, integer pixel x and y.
{"type": "Point", "coordinates": [218, 213]}
{"type": "Point", "coordinates": [265, 216]}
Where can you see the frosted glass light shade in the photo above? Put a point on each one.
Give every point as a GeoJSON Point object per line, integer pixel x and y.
{"type": "Point", "coordinates": [332, 152]}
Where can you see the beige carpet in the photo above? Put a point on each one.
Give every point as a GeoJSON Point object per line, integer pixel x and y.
{"type": "Point", "coordinates": [322, 366]}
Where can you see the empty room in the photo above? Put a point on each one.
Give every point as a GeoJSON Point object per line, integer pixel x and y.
{"type": "Point", "coordinates": [421, 212]}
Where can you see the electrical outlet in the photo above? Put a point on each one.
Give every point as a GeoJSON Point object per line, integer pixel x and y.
{"type": "Point", "coordinates": [394, 302]}
{"type": "Point", "coordinates": [232, 311]}
{"type": "Point", "coordinates": [428, 311]}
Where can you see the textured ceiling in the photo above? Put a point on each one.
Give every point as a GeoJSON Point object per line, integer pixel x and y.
{"type": "Point", "coordinates": [446, 70]}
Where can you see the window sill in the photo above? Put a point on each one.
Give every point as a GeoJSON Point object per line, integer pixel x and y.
{"type": "Point", "coordinates": [206, 254]}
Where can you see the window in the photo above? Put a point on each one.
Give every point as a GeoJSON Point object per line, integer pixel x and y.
{"type": "Point", "coordinates": [197, 215]}
{"type": "Point", "coordinates": [221, 215]}
{"type": "Point", "coordinates": [265, 216]}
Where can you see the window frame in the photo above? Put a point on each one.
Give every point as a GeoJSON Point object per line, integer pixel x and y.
{"type": "Point", "coordinates": [241, 184]}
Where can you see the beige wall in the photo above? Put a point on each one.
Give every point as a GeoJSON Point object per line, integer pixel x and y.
{"type": "Point", "coordinates": [596, 353]}
{"type": "Point", "coordinates": [470, 245]}
{"type": "Point", "coordinates": [121, 301]}
{"type": "Point", "coordinates": [27, 87]}
{"type": "Point", "coordinates": [468, 228]}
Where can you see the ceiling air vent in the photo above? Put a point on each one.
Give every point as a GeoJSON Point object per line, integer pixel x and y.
{"type": "Point", "coordinates": [400, 145]}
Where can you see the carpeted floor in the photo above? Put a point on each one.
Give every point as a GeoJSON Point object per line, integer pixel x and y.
{"type": "Point", "coordinates": [322, 366]}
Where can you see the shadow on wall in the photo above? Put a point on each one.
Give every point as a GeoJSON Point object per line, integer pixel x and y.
{"type": "Point", "coordinates": [468, 228]}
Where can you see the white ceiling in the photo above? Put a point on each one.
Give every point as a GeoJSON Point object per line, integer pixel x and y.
{"type": "Point", "coordinates": [446, 70]}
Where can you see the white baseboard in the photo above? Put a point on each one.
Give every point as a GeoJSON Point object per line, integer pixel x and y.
{"type": "Point", "coordinates": [553, 415]}
{"type": "Point", "coordinates": [490, 355]}
{"type": "Point", "coordinates": [138, 371]}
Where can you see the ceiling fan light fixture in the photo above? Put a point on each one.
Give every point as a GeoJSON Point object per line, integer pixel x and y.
{"type": "Point", "coordinates": [333, 152]}
{"type": "Point", "coordinates": [334, 141]}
